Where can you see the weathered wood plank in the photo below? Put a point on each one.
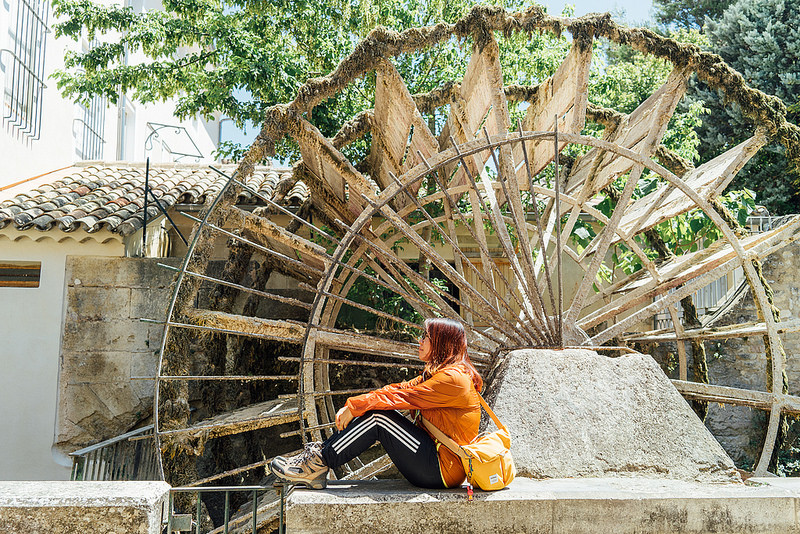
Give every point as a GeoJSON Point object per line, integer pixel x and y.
{"type": "Point", "coordinates": [397, 118]}
{"type": "Point", "coordinates": [709, 180]}
{"type": "Point", "coordinates": [248, 418]}
{"type": "Point", "coordinates": [641, 132]}
{"type": "Point", "coordinates": [725, 395]}
{"type": "Point", "coordinates": [265, 232]}
{"type": "Point", "coordinates": [714, 333]}
{"type": "Point", "coordinates": [563, 95]}
{"type": "Point", "coordinates": [283, 330]}
{"type": "Point", "coordinates": [330, 165]}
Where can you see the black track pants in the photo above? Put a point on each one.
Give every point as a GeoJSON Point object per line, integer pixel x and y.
{"type": "Point", "coordinates": [411, 448]}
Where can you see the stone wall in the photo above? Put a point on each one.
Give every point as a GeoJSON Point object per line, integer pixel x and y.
{"type": "Point", "coordinates": [105, 344]}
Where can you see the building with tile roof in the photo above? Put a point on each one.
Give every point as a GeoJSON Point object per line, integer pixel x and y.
{"type": "Point", "coordinates": [88, 209]}
{"type": "Point", "coordinates": [94, 196]}
{"type": "Point", "coordinates": [72, 239]}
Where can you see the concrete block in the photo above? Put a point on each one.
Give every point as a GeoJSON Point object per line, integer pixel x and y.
{"type": "Point", "coordinates": [115, 335]}
{"type": "Point", "coordinates": [555, 506]}
{"type": "Point", "coordinates": [98, 271]}
{"type": "Point", "coordinates": [150, 303]}
{"type": "Point", "coordinates": [84, 404]}
{"type": "Point", "coordinates": [96, 367]}
{"type": "Point", "coordinates": [155, 335]}
{"type": "Point", "coordinates": [118, 399]}
{"type": "Point", "coordinates": [98, 303]}
{"type": "Point", "coordinates": [98, 411]}
{"type": "Point", "coordinates": [70, 507]}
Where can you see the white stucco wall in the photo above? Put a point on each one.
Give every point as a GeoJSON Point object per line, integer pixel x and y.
{"type": "Point", "coordinates": [62, 129]}
{"type": "Point", "coordinates": [30, 340]}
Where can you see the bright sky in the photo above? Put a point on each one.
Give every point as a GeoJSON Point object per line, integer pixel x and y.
{"type": "Point", "coordinates": [636, 11]}
{"type": "Point", "coordinates": [629, 12]}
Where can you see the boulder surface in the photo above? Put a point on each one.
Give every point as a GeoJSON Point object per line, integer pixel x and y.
{"type": "Point", "coordinates": [576, 413]}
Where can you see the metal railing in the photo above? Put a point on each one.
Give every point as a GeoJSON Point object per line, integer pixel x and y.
{"type": "Point", "coordinates": [23, 87]}
{"type": "Point", "coordinates": [706, 299]}
{"type": "Point", "coordinates": [130, 456]}
{"type": "Point", "coordinates": [709, 299]}
{"type": "Point", "coordinates": [178, 522]}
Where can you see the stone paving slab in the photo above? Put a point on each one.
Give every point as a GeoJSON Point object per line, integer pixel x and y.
{"type": "Point", "coordinates": [76, 507]}
{"type": "Point", "coordinates": [554, 506]}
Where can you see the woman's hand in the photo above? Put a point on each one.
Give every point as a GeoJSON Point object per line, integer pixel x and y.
{"type": "Point", "coordinates": [343, 418]}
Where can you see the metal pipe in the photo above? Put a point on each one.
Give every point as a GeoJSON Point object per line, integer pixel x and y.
{"type": "Point", "coordinates": [227, 510]}
{"type": "Point", "coordinates": [282, 493]}
{"type": "Point", "coordinates": [171, 511]}
{"type": "Point", "coordinates": [255, 511]}
{"type": "Point", "coordinates": [558, 240]}
{"type": "Point", "coordinates": [197, 515]}
{"type": "Point", "coordinates": [144, 217]}
{"type": "Point", "coordinates": [271, 296]}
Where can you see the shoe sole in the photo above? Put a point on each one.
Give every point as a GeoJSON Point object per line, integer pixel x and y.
{"type": "Point", "coordinates": [310, 485]}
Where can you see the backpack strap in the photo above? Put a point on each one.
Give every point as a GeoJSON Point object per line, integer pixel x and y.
{"type": "Point", "coordinates": [445, 440]}
{"type": "Point", "coordinates": [491, 413]}
{"type": "Point", "coordinates": [449, 442]}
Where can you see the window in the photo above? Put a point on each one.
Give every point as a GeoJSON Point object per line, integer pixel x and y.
{"type": "Point", "coordinates": [90, 122]}
{"type": "Point", "coordinates": [20, 273]}
{"type": "Point", "coordinates": [126, 129]}
{"type": "Point", "coordinates": [22, 65]}
{"type": "Point", "coordinates": [89, 135]}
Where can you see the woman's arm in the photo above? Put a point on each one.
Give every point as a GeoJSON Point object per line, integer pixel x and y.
{"type": "Point", "coordinates": [345, 415]}
{"type": "Point", "coordinates": [447, 388]}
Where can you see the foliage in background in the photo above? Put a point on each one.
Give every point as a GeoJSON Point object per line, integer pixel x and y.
{"type": "Point", "coordinates": [761, 40]}
{"type": "Point", "coordinates": [238, 57]}
{"type": "Point", "coordinates": [688, 14]}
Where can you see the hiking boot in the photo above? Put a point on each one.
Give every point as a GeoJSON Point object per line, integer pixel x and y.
{"type": "Point", "coordinates": [307, 468]}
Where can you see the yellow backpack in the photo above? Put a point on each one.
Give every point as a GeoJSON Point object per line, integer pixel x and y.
{"type": "Point", "coordinates": [487, 459]}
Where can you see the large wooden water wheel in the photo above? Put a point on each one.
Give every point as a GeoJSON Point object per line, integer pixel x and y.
{"type": "Point", "coordinates": [492, 222]}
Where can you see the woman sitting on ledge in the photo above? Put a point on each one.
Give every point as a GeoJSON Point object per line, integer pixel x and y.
{"type": "Point", "coordinates": [445, 394]}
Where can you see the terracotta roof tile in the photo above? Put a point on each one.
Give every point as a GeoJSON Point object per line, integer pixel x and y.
{"type": "Point", "coordinates": [111, 195]}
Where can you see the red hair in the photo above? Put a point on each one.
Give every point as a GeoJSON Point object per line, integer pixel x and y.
{"type": "Point", "coordinates": [449, 347]}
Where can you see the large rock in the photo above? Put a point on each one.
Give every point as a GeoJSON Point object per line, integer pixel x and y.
{"type": "Point", "coordinates": [575, 413]}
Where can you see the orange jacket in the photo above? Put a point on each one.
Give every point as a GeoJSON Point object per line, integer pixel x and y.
{"type": "Point", "coordinates": [447, 399]}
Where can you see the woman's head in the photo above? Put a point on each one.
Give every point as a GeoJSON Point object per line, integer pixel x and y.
{"type": "Point", "coordinates": [443, 343]}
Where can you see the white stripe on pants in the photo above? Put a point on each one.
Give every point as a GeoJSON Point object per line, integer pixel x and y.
{"type": "Point", "coordinates": [368, 424]}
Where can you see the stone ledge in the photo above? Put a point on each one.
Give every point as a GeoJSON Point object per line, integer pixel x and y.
{"type": "Point", "coordinates": [555, 506]}
{"type": "Point", "coordinates": [56, 507]}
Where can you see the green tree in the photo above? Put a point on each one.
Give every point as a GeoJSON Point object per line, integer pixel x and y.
{"type": "Point", "coordinates": [688, 14]}
{"type": "Point", "coordinates": [761, 40]}
{"type": "Point", "coordinates": [239, 57]}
